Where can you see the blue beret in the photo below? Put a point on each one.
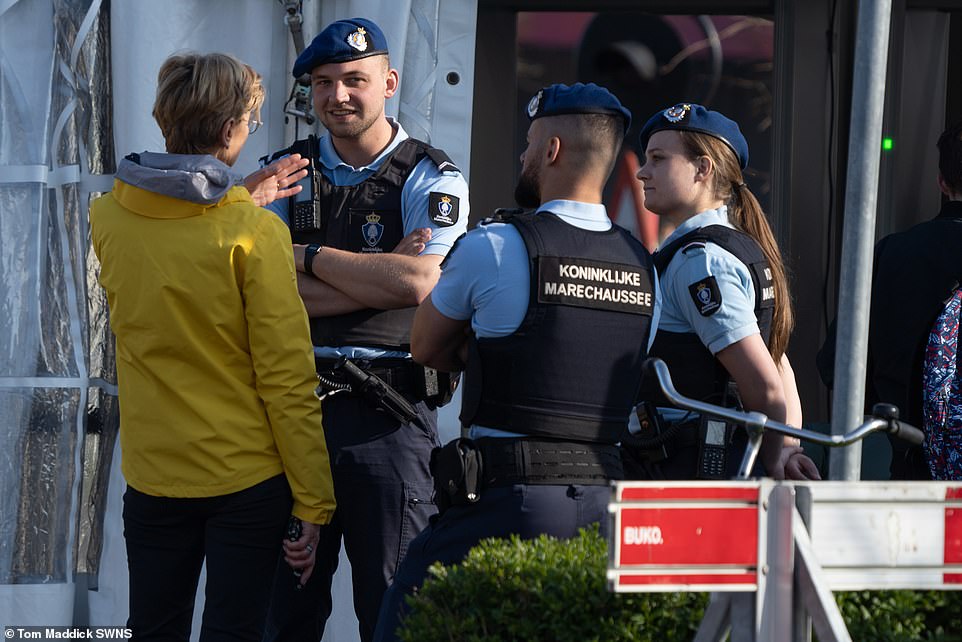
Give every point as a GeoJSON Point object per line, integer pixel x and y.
{"type": "Point", "coordinates": [342, 41]}
{"type": "Point", "coordinates": [695, 118]}
{"type": "Point", "coordinates": [579, 98]}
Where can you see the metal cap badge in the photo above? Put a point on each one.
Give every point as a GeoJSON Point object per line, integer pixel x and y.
{"type": "Point", "coordinates": [342, 41]}
{"type": "Point", "coordinates": [579, 98]}
{"type": "Point", "coordinates": [696, 118]}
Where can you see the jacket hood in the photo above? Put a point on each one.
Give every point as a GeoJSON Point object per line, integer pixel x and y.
{"type": "Point", "coordinates": [196, 178]}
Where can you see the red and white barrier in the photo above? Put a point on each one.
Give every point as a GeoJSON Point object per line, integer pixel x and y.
{"type": "Point", "coordinates": [748, 543]}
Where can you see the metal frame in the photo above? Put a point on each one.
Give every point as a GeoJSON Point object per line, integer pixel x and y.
{"type": "Point", "coordinates": [790, 580]}
{"type": "Point", "coordinates": [795, 586]}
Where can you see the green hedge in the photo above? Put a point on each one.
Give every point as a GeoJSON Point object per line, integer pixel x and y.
{"type": "Point", "coordinates": [893, 616]}
{"type": "Point", "coordinates": [545, 589]}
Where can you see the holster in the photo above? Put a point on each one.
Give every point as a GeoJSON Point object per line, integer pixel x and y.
{"type": "Point", "coordinates": [457, 469]}
{"type": "Point", "coordinates": [434, 387]}
{"type": "Point", "coordinates": [652, 443]}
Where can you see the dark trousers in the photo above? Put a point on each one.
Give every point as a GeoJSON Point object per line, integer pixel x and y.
{"type": "Point", "coordinates": [168, 540]}
{"type": "Point", "coordinates": [384, 489]}
{"type": "Point", "coordinates": [525, 510]}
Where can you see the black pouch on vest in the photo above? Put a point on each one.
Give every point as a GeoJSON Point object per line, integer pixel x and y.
{"type": "Point", "coordinates": [436, 388]}
{"type": "Point", "coordinates": [456, 469]}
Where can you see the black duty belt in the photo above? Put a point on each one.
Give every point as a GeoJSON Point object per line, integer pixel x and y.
{"type": "Point", "coordinates": [531, 461]}
{"type": "Point", "coordinates": [397, 373]}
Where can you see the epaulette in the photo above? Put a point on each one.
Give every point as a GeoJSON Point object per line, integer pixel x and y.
{"type": "Point", "coordinates": [441, 160]}
{"type": "Point", "coordinates": [694, 245]}
{"type": "Point", "coordinates": [306, 147]}
{"type": "Point", "coordinates": [502, 215]}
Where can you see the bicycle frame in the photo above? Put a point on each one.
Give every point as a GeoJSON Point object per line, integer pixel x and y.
{"type": "Point", "coordinates": [885, 418]}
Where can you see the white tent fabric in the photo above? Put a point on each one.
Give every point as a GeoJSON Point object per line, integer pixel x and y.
{"type": "Point", "coordinates": [44, 377]}
{"type": "Point", "coordinates": [44, 253]}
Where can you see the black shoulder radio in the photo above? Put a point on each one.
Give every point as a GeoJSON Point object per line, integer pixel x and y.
{"type": "Point", "coordinates": [305, 210]}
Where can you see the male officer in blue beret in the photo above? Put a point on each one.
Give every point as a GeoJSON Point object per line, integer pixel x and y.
{"type": "Point", "coordinates": [369, 236]}
{"type": "Point", "coordinates": [559, 307]}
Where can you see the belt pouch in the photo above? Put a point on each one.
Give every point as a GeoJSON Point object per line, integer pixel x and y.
{"type": "Point", "coordinates": [456, 469]}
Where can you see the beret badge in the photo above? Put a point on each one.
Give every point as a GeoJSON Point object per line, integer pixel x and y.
{"type": "Point", "coordinates": [534, 104]}
{"type": "Point", "coordinates": [677, 113]}
{"type": "Point", "coordinates": [358, 39]}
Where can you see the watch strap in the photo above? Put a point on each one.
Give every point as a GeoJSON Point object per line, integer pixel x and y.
{"type": "Point", "coordinates": [310, 252]}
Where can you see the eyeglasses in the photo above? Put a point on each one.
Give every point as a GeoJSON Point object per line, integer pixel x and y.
{"type": "Point", "coordinates": [253, 125]}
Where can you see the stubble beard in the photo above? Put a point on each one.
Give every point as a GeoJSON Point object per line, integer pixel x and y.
{"type": "Point", "coordinates": [351, 130]}
{"type": "Point", "coordinates": [527, 193]}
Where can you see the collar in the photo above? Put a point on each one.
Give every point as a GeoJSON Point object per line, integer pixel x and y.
{"type": "Point", "coordinates": [330, 159]}
{"type": "Point", "coordinates": [951, 209]}
{"type": "Point", "coordinates": [702, 219]}
{"type": "Point", "coordinates": [589, 216]}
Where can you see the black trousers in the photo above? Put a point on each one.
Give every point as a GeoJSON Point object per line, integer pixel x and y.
{"type": "Point", "coordinates": [168, 539]}
{"type": "Point", "coordinates": [383, 488]}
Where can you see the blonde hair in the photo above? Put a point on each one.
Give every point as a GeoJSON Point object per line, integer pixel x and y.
{"type": "Point", "coordinates": [198, 93]}
{"type": "Point", "coordinates": [745, 213]}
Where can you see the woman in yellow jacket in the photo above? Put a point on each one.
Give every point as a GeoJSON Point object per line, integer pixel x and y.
{"type": "Point", "coordinates": [220, 430]}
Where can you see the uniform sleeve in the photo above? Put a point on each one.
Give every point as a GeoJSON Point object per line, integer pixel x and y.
{"type": "Point", "coordinates": [714, 292]}
{"type": "Point", "coordinates": [486, 280]}
{"type": "Point", "coordinates": [438, 201]}
{"type": "Point", "coordinates": [466, 277]}
{"type": "Point", "coordinates": [280, 208]}
{"type": "Point", "coordinates": [283, 362]}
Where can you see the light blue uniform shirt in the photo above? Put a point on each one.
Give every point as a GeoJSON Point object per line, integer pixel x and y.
{"type": "Point", "coordinates": [735, 317]}
{"type": "Point", "coordinates": [423, 179]}
{"type": "Point", "coordinates": [488, 280]}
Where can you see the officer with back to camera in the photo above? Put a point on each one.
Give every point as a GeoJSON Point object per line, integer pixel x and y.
{"type": "Point", "coordinates": [550, 313]}
{"type": "Point", "coordinates": [368, 240]}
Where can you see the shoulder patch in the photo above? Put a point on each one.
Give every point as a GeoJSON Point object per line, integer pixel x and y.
{"type": "Point", "coordinates": [706, 296]}
{"type": "Point", "coordinates": [443, 208]}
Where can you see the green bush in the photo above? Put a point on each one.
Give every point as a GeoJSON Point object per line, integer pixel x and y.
{"type": "Point", "coordinates": [896, 616]}
{"type": "Point", "coordinates": [542, 589]}
{"type": "Point", "coordinates": [545, 589]}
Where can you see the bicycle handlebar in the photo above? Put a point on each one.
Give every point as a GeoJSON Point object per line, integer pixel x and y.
{"type": "Point", "coordinates": [885, 416]}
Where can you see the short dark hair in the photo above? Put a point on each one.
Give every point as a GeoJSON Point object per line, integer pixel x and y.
{"type": "Point", "coordinates": [950, 156]}
{"type": "Point", "coordinates": [595, 138]}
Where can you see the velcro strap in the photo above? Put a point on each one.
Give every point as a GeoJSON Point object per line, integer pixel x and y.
{"type": "Point", "coordinates": [530, 461]}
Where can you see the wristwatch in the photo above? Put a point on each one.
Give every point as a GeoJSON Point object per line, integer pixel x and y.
{"type": "Point", "coordinates": [310, 252]}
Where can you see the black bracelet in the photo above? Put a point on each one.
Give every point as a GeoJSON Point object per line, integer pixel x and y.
{"type": "Point", "coordinates": [310, 252]}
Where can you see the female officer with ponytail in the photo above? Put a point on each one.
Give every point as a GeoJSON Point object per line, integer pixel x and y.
{"type": "Point", "coordinates": [727, 312]}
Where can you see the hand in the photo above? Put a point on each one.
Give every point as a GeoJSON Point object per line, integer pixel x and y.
{"type": "Point", "coordinates": [414, 243]}
{"type": "Point", "coordinates": [794, 464]}
{"type": "Point", "coordinates": [301, 555]}
{"type": "Point", "coordinates": [277, 180]}
{"type": "Point", "coordinates": [800, 467]}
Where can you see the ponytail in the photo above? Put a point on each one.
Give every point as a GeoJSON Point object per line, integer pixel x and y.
{"type": "Point", "coordinates": [745, 213]}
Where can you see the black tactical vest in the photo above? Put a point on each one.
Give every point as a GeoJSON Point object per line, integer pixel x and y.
{"type": "Point", "coordinates": [695, 371]}
{"type": "Point", "coordinates": [572, 368]}
{"type": "Point", "coordinates": [366, 218]}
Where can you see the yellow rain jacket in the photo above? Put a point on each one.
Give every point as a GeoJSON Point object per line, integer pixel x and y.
{"type": "Point", "coordinates": [214, 358]}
